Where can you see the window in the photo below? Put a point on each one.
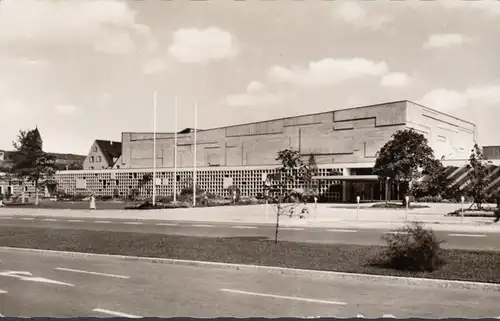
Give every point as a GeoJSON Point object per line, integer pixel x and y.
{"type": "Point", "coordinates": [91, 159]}
{"type": "Point", "coordinates": [95, 148]}
{"type": "Point", "coordinates": [99, 159]}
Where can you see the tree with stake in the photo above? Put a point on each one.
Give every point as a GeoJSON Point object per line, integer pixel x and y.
{"type": "Point", "coordinates": [402, 159]}
{"type": "Point", "coordinates": [278, 187]}
{"type": "Point", "coordinates": [478, 175]}
{"type": "Point", "coordinates": [31, 163]}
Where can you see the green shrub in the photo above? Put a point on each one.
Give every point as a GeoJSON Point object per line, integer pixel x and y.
{"type": "Point", "coordinates": [103, 198]}
{"type": "Point", "coordinates": [178, 205]}
{"type": "Point", "coordinates": [164, 199]}
{"type": "Point", "coordinates": [430, 199]}
{"type": "Point", "coordinates": [414, 248]}
{"type": "Point", "coordinates": [219, 202]}
{"type": "Point", "coordinates": [189, 191]}
{"type": "Point", "coordinates": [248, 201]}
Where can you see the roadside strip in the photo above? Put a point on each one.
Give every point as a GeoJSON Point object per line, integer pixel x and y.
{"type": "Point", "coordinates": [270, 269]}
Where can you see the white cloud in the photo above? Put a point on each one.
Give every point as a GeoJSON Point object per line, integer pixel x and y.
{"type": "Point", "coordinates": [444, 40]}
{"type": "Point", "coordinates": [353, 13]}
{"type": "Point", "coordinates": [255, 95]}
{"type": "Point", "coordinates": [488, 7]}
{"type": "Point", "coordinates": [155, 66]}
{"type": "Point", "coordinates": [395, 79]}
{"type": "Point", "coordinates": [445, 99]}
{"type": "Point", "coordinates": [202, 46]}
{"type": "Point", "coordinates": [255, 86]}
{"type": "Point", "coordinates": [65, 109]}
{"type": "Point", "coordinates": [328, 71]}
{"type": "Point", "coordinates": [486, 94]}
{"type": "Point", "coordinates": [107, 26]}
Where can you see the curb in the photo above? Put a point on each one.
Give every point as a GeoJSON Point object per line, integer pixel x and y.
{"type": "Point", "coordinates": [395, 280]}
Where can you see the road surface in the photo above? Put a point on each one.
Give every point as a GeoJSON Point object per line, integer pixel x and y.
{"type": "Point", "coordinates": [453, 240]}
{"type": "Point", "coordinates": [34, 284]}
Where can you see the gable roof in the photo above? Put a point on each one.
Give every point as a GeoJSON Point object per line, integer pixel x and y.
{"type": "Point", "coordinates": [110, 150]}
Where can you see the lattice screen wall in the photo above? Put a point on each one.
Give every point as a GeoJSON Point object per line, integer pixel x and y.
{"type": "Point", "coordinates": [249, 181]}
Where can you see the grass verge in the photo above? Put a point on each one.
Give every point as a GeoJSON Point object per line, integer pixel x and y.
{"type": "Point", "coordinates": [476, 266]}
{"type": "Point", "coordinates": [397, 206]}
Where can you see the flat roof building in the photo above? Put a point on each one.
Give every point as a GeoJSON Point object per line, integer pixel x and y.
{"type": "Point", "coordinates": [344, 144]}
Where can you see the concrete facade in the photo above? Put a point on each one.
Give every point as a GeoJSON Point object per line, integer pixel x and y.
{"type": "Point", "coordinates": [343, 136]}
{"type": "Point", "coordinates": [344, 144]}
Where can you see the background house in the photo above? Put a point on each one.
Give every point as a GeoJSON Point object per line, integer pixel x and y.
{"type": "Point", "coordinates": [102, 155]}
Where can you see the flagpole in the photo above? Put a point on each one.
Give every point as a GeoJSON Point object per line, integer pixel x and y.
{"type": "Point", "coordinates": [154, 148]}
{"type": "Point", "coordinates": [175, 149]}
{"type": "Point", "coordinates": [194, 152]}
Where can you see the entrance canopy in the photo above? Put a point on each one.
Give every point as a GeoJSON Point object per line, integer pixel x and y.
{"type": "Point", "coordinates": [363, 178]}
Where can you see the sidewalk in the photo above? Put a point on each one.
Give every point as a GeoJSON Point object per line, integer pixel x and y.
{"type": "Point", "coordinates": [325, 215]}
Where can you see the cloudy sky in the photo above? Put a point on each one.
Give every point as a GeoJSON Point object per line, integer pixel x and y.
{"type": "Point", "coordinates": [82, 70]}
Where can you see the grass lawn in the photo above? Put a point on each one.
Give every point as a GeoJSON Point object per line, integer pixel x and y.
{"type": "Point", "coordinates": [461, 265]}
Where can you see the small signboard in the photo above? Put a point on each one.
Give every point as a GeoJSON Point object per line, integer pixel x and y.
{"type": "Point", "coordinates": [228, 181]}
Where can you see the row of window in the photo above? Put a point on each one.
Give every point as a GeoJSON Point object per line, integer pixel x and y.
{"type": "Point", "coordinates": [97, 159]}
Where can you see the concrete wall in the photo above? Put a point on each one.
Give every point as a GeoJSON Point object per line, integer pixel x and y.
{"type": "Point", "coordinates": [491, 152]}
{"type": "Point", "coordinates": [343, 136]}
{"type": "Point", "coordinates": [448, 136]}
{"type": "Point", "coordinates": [99, 160]}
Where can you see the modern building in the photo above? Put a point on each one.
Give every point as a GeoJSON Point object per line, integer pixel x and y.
{"type": "Point", "coordinates": [343, 144]}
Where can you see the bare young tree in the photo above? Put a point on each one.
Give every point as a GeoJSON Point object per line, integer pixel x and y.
{"type": "Point", "coordinates": [281, 187]}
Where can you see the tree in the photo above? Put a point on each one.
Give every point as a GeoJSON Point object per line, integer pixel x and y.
{"type": "Point", "coordinates": [402, 159]}
{"type": "Point", "coordinates": [436, 182]}
{"type": "Point", "coordinates": [31, 163]}
{"type": "Point", "coordinates": [313, 185]}
{"type": "Point", "coordinates": [479, 170]}
{"type": "Point", "coordinates": [146, 178]}
{"type": "Point", "coordinates": [279, 186]}
{"type": "Point", "coordinates": [75, 165]}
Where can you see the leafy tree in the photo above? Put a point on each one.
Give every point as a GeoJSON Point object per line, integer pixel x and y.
{"type": "Point", "coordinates": [31, 163]}
{"type": "Point", "coordinates": [479, 170]}
{"type": "Point", "coordinates": [75, 166]}
{"type": "Point", "coordinates": [436, 182]}
{"type": "Point", "coordinates": [234, 193]}
{"type": "Point", "coordinates": [313, 185]}
{"type": "Point", "coordinates": [402, 159]}
{"type": "Point", "coordinates": [279, 187]}
{"type": "Point", "coordinates": [146, 178]}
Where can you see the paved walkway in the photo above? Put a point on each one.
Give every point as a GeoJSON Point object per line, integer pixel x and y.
{"type": "Point", "coordinates": [325, 215]}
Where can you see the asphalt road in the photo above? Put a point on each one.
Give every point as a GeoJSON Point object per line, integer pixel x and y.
{"type": "Point", "coordinates": [453, 240]}
{"type": "Point", "coordinates": [53, 285]}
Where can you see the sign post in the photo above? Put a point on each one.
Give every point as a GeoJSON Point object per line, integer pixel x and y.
{"type": "Point", "coordinates": [92, 202]}
{"type": "Point", "coordinates": [407, 198]}
{"type": "Point", "coordinates": [462, 199]}
{"type": "Point", "coordinates": [357, 208]}
{"type": "Point", "coordinates": [266, 208]}
{"type": "Point", "coordinates": [315, 206]}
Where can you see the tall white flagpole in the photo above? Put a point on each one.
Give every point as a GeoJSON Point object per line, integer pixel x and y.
{"type": "Point", "coordinates": [154, 148]}
{"type": "Point", "coordinates": [194, 152]}
{"type": "Point", "coordinates": [175, 149]}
